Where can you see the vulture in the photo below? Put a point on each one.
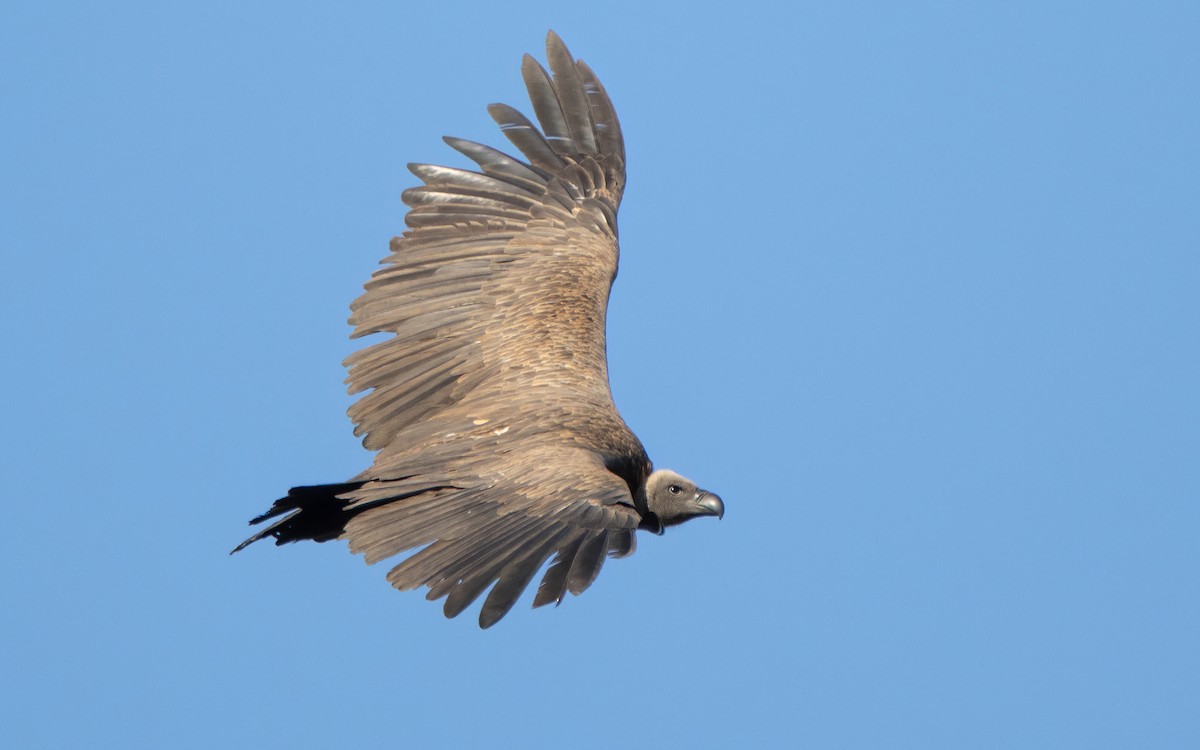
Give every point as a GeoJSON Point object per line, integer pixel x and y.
{"type": "Point", "coordinates": [499, 448]}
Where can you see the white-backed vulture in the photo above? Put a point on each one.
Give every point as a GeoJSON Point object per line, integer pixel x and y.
{"type": "Point", "coordinates": [499, 446]}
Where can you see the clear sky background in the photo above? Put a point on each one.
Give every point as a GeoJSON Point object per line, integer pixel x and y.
{"type": "Point", "coordinates": [933, 268]}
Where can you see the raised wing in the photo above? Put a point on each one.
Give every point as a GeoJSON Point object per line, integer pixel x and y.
{"type": "Point", "coordinates": [499, 288]}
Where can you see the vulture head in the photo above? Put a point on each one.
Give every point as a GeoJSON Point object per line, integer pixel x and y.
{"type": "Point", "coordinates": [672, 499]}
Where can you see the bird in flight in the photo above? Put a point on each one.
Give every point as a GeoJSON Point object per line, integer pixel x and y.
{"type": "Point", "coordinates": [499, 446]}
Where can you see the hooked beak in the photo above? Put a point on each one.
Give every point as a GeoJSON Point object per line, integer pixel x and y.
{"type": "Point", "coordinates": [709, 505]}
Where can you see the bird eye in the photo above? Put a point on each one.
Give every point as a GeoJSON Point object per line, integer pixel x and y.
{"type": "Point", "coordinates": [674, 489]}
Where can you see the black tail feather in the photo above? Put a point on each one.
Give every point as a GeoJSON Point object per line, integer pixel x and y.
{"type": "Point", "coordinates": [314, 512]}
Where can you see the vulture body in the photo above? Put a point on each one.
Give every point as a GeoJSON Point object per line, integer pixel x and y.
{"type": "Point", "coordinates": [499, 446]}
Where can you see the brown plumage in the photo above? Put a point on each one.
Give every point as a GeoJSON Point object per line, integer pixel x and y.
{"type": "Point", "coordinates": [499, 444]}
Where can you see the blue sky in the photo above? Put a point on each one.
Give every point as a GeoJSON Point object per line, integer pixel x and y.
{"type": "Point", "coordinates": [939, 262]}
